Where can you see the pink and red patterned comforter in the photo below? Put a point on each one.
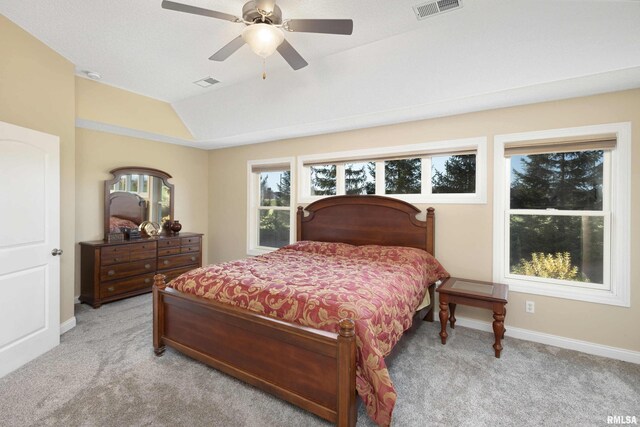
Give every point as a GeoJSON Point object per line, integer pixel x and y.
{"type": "Point", "coordinates": [116, 223]}
{"type": "Point", "coordinates": [316, 284]}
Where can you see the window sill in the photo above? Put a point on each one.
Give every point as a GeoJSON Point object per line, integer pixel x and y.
{"type": "Point", "coordinates": [598, 296]}
{"type": "Point", "coordinates": [260, 251]}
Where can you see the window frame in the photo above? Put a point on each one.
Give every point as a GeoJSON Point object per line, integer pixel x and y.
{"type": "Point", "coordinates": [253, 202]}
{"type": "Point", "coordinates": [616, 211]}
{"type": "Point", "coordinates": [423, 150]}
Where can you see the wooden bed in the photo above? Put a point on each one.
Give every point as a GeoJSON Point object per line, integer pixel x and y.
{"type": "Point", "coordinates": [310, 368]}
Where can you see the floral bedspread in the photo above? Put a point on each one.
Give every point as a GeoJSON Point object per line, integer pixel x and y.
{"type": "Point", "coordinates": [115, 223]}
{"type": "Point", "coordinates": [316, 284]}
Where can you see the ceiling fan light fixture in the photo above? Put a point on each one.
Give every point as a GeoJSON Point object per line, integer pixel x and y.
{"type": "Point", "coordinates": [263, 39]}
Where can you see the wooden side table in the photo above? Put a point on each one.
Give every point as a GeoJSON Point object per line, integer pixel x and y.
{"type": "Point", "coordinates": [492, 296]}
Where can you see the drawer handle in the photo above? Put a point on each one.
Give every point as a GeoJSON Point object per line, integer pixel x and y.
{"type": "Point", "coordinates": [193, 258]}
{"type": "Point", "coordinates": [147, 266]}
{"type": "Point", "coordinates": [111, 288]}
{"type": "Point", "coordinates": [111, 272]}
{"type": "Point", "coordinates": [166, 262]}
{"type": "Point", "coordinates": [116, 259]}
{"type": "Point", "coordinates": [147, 280]}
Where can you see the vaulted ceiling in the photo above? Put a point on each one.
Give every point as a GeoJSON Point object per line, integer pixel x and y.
{"type": "Point", "coordinates": [394, 68]}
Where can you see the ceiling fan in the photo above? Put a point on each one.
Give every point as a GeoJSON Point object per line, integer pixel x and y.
{"type": "Point", "coordinates": [264, 29]}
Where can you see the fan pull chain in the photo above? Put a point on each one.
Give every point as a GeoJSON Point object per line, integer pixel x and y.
{"type": "Point", "coordinates": [264, 69]}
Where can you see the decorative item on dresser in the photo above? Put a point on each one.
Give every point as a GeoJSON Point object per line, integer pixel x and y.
{"type": "Point", "coordinates": [176, 226]}
{"type": "Point", "coordinates": [116, 270]}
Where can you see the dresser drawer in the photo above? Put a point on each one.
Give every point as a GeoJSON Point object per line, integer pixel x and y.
{"type": "Point", "coordinates": [119, 271]}
{"type": "Point", "coordinates": [114, 255]}
{"type": "Point", "coordinates": [190, 249]}
{"type": "Point", "coordinates": [118, 287]}
{"type": "Point", "coordinates": [169, 251]}
{"type": "Point", "coordinates": [175, 261]}
{"type": "Point", "coordinates": [164, 243]}
{"type": "Point", "coordinates": [143, 247]}
{"type": "Point", "coordinates": [190, 241]}
{"type": "Point", "coordinates": [135, 256]}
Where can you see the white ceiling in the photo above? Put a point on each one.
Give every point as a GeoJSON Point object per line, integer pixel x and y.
{"type": "Point", "coordinates": [394, 68]}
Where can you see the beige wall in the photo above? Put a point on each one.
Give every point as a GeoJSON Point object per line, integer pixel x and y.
{"type": "Point", "coordinates": [98, 152]}
{"type": "Point", "coordinates": [463, 232]}
{"type": "Point", "coordinates": [37, 92]}
{"type": "Point", "coordinates": [107, 104]}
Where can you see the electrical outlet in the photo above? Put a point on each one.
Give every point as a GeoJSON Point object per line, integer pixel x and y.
{"type": "Point", "coordinates": [530, 307]}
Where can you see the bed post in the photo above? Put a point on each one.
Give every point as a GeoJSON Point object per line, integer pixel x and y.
{"type": "Point", "coordinates": [431, 248]}
{"type": "Point", "coordinates": [158, 314]}
{"type": "Point", "coordinates": [299, 216]}
{"type": "Point", "coordinates": [431, 219]}
{"type": "Point", "coordinates": [347, 407]}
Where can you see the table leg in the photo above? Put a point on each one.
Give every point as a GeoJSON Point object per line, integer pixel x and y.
{"type": "Point", "coordinates": [443, 321]}
{"type": "Point", "coordinates": [498, 330]}
{"type": "Point", "coordinates": [452, 315]}
{"type": "Point", "coordinates": [505, 329]}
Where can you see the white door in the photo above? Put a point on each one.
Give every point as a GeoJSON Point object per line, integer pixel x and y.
{"type": "Point", "coordinates": [29, 231]}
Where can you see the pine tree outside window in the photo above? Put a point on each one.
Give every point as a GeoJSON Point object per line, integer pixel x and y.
{"type": "Point", "coordinates": [360, 178]}
{"type": "Point", "coordinates": [557, 215]}
{"type": "Point", "coordinates": [453, 174]}
{"type": "Point", "coordinates": [271, 206]}
{"type": "Point", "coordinates": [439, 172]}
{"type": "Point", "coordinates": [561, 213]}
{"type": "Point", "coordinates": [323, 180]}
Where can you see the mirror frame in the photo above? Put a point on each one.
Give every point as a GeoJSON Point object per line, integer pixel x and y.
{"type": "Point", "coordinates": [128, 170]}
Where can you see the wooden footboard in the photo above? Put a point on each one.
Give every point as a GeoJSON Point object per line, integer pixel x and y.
{"type": "Point", "coordinates": [312, 369]}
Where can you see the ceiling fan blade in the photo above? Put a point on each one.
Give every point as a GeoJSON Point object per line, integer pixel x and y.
{"type": "Point", "coordinates": [291, 56]}
{"type": "Point", "coordinates": [325, 26]}
{"type": "Point", "coordinates": [171, 5]}
{"type": "Point", "coordinates": [228, 50]}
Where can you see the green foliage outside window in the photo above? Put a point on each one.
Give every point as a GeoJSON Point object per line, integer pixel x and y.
{"type": "Point", "coordinates": [359, 178]}
{"type": "Point", "coordinates": [553, 266]}
{"type": "Point", "coordinates": [558, 181]}
{"type": "Point", "coordinates": [323, 180]}
{"type": "Point", "coordinates": [274, 224]}
{"type": "Point", "coordinates": [459, 175]}
{"type": "Point", "coordinates": [403, 176]}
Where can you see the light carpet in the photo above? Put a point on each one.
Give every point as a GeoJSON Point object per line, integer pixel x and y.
{"type": "Point", "coordinates": [104, 373]}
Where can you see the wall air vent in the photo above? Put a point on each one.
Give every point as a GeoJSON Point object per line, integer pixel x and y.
{"type": "Point", "coordinates": [206, 82]}
{"type": "Point", "coordinates": [425, 10]}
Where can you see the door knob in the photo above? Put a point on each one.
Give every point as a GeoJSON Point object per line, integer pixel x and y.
{"type": "Point", "coordinates": [56, 252]}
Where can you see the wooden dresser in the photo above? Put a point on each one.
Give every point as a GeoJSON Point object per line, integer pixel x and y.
{"type": "Point", "coordinates": [117, 270]}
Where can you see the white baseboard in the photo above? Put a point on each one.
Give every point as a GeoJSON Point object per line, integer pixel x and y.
{"type": "Point", "coordinates": [557, 341]}
{"type": "Point", "coordinates": [67, 325]}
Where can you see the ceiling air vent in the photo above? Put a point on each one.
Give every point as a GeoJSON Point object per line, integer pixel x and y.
{"type": "Point", "coordinates": [206, 82]}
{"type": "Point", "coordinates": [426, 10]}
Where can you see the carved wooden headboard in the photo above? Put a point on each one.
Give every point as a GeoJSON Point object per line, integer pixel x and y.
{"type": "Point", "coordinates": [366, 220]}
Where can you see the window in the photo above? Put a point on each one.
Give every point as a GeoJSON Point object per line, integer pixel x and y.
{"type": "Point", "coordinates": [271, 208]}
{"type": "Point", "coordinates": [562, 214]}
{"type": "Point", "coordinates": [444, 172]}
